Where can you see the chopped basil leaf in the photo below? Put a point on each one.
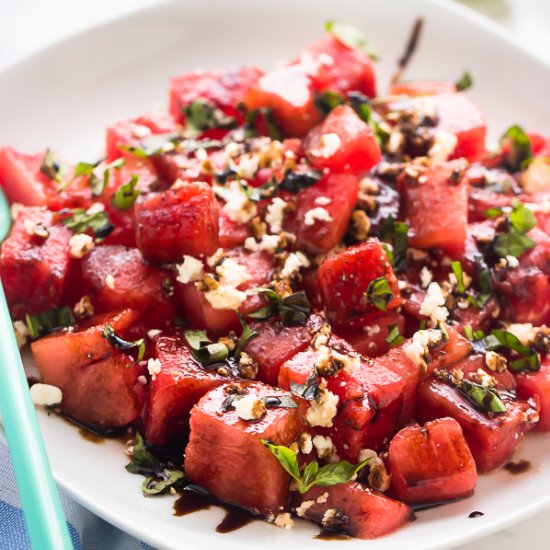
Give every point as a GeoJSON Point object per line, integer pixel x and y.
{"type": "Point", "coordinates": [530, 363]}
{"type": "Point", "coordinates": [247, 335]}
{"type": "Point", "coordinates": [309, 390]}
{"type": "Point", "coordinates": [361, 105]}
{"type": "Point", "coordinates": [126, 195]}
{"type": "Point", "coordinates": [272, 127]}
{"type": "Point", "coordinates": [514, 241]}
{"type": "Point", "coordinates": [397, 233]}
{"type": "Point", "coordinates": [298, 180]}
{"type": "Point", "coordinates": [521, 217]}
{"type": "Point", "coordinates": [394, 338]}
{"type": "Point", "coordinates": [202, 348]}
{"type": "Point", "coordinates": [279, 402]}
{"type": "Point", "coordinates": [43, 323]}
{"type": "Point", "coordinates": [79, 222]}
{"type": "Point", "coordinates": [483, 276]}
{"type": "Point", "coordinates": [512, 244]}
{"type": "Point", "coordinates": [483, 398]}
{"type": "Point", "coordinates": [325, 476]}
{"type": "Point", "coordinates": [457, 270]}
{"type": "Point", "coordinates": [83, 169]}
{"type": "Point", "coordinates": [327, 101]}
{"type": "Point", "coordinates": [153, 145]}
{"type": "Point", "coordinates": [50, 167]}
{"type": "Point", "coordinates": [265, 191]}
{"type": "Point", "coordinates": [202, 115]}
{"type": "Point", "coordinates": [114, 339]}
{"type": "Point", "coordinates": [295, 309]}
{"type": "Point", "coordinates": [530, 358]}
{"type": "Point", "coordinates": [160, 477]}
{"type": "Point", "coordinates": [468, 332]}
{"type": "Point", "coordinates": [520, 149]}
{"type": "Point", "coordinates": [350, 36]}
{"type": "Point", "coordinates": [379, 294]}
{"type": "Point", "coordinates": [464, 82]}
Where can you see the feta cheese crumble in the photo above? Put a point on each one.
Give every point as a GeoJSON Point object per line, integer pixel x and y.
{"type": "Point", "coordinates": [110, 281]}
{"type": "Point", "coordinates": [329, 144]}
{"type": "Point", "coordinates": [190, 270]}
{"type": "Point", "coordinates": [322, 411]}
{"type": "Point", "coordinates": [524, 332]}
{"type": "Point", "coordinates": [238, 207]}
{"type": "Point", "coordinates": [275, 214]}
{"type": "Point", "coordinates": [293, 264]}
{"type": "Point", "coordinates": [443, 146]}
{"type": "Point", "coordinates": [154, 366]}
{"type": "Point", "coordinates": [433, 304]}
{"type": "Point", "coordinates": [284, 521]}
{"type": "Point", "coordinates": [317, 214]}
{"type": "Point", "coordinates": [232, 273]}
{"type": "Point", "coordinates": [322, 201]}
{"type": "Point", "coordinates": [249, 407]}
{"type": "Point", "coordinates": [225, 297]}
{"type": "Point", "coordinates": [45, 395]}
{"type": "Point", "coordinates": [268, 243]}
{"type": "Point", "coordinates": [418, 348]}
{"type": "Point", "coordinates": [426, 277]}
{"type": "Point", "coordinates": [21, 333]}
{"type": "Point", "coordinates": [80, 245]}
{"type": "Point", "coordinates": [324, 447]}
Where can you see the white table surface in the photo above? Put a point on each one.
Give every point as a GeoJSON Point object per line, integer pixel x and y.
{"type": "Point", "coordinates": [28, 25]}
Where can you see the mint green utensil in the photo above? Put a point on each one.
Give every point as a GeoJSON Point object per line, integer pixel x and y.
{"type": "Point", "coordinates": [46, 523]}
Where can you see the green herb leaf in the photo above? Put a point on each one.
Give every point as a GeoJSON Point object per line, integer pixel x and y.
{"type": "Point", "coordinates": [457, 270]}
{"type": "Point", "coordinates": [202, 115]}
{"type": "Point", "coordinates": [520, 147]}
{"type": "Point", "coordinates": [97, 184]}
{"type": "Point", "coordinates": [484, 399]}
{"type": "Point", "coordinates": [163, 482]}
{"type": "Point", "coordinates": [153, 145]}
{"type": "Point", "coordinates": [338, 472]}
{"type": "Point", "coordinates": [379, 294]}
{"type": "Point", "coordinates": [196, 338]}
{"type": "Point", "coordinates": [327, 101]}
{"type": "Point", "coordinates": [295, 309]}
{"type": "Point", "coordinates": [114, 339]}
{"type": "Point", "coordinates": [83, 169]}
{"type": "Point", "coordinates": [79, 222]}
{"type": "Point", "coordinates": [286, 457]}
{"type": "Point", "coordinates": [309, 390]}
{"type": "Point", "coordinates": [272, 127]}
{"type": "Point", "coordinates": [397, 233]}
{"type": "Point", "coordinates": [247, 335]}
{"type": "Point", "coordinates": [350, 36]}
{"type": "Point", "coordinates": [468, 332]}
{"type": "Point", "coordinates": [50, 167]}
{"type": "Point", "coordinates": [512, 244]}
{"type": "Point", "coordinates": [265, 191]}
{"type": "Point", "coordinates": [464, 82]}
{"type": "Point", "coordinates": [126, 195]}
{"type": "Point", "coordinates": [279, 402]}
{"type": "Point", "coordinates": [48, 321]}
{"type": "Point", "coordinates": [521, 217]}
{"type": "Point", "coordinates": [295, 181]}
{"type": "Point", "coordinates": [271, 309]}
{"type": "Point", "coordinates": [394, 338]}
{"type": "Point", "coordinates": [203, 350]}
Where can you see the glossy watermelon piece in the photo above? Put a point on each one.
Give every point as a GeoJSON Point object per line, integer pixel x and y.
{"type": "Point", "coordinates": [345, 277]}
{"type": "Point", "coordinates": [431, 463]}
{"type": "Point", "coordinates": [34, 270]}
{"type": "Point", "coordinates": [342, 143]}
{"type": "Point", "coordinates": [536, 386]}
{"type": "Point", "coordinates": [121, 279]}
{"type": "Point", "coordinates": [240, 469]}
{"type": "Point", "coordinates": [436, 207]}
{"type": "Point", "coordinates": [360, 512]}
{"type": "Point", "coordinates": [173, 392]}
{"type": "Point", "coordinates": [182, 220]}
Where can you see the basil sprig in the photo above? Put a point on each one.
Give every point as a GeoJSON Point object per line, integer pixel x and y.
{"type": "Point", "coordinates": [295, 181]}
{"type": "Point", "coordinates": [273, 129]}
{"type": "Point", "coordinates": [529, 360]}
{"type": "Point", "coordinates": [520, 150]}
{"type": "Point", "coordinates": [379, 293]}
{"type": "Point", "coordinates": [293, 309]}
{"type": "Point", "coordinates": [350, 36]}
{"type": "Point", "coordinates": [50, 167]}
{"type": "Point", "coordinates": [126, 195]}
{"type": "Point", "coordinates": [115, 340]}
{"type": "Point", "coordinates": [324, 476]}
{"type": "Point", "coordinates": [394, 338]}
{"type": "Point", "coordinates": [246, 335]}
{"type": "Point", "coordinates": [272, 402]}
{"type": "Point", "coordinates": [160, 477]}
{"type": "Point", "coordinates": [481, 397]}
{"type": "Point", "coordinates": [46, 322]}
{"type": "Point", "coordinates": [309, 390]}
{"type": "Point", "coordinates": [202, 115]}
{"type": "Point", "coordinates": [397, 234]}
{"type": "Point", "coordinates": [464, 82]}
{"type": "Point", "coordinates": [78, 221]}
{"type": "Point", "coordinates": [203, 349]}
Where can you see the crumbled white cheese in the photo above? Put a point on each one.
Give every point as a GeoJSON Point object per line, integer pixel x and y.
{"type": "Point", "coordinates": [154, 366]}
{"type": "Point", "coordinates": [275, 214]}
{"type": "Point", "coordinates": [284, 521]}
{"type": "Point", "coordinates": [268, 243]}
{"type": "Point", "coordinates": [225, 297]}
{"type": "Point", "coordinates": [305, 443]}
{"type": "Point", "coordinates": [495, 362]}
{"type": "Point", "coordinates": [365, 454]}
{"type": "Point", "coordinates": [21, 333]}
{"type": "Point", "coordinates": [330, 517]}
{"type": "Point", "coordinates": [215, 258]}
{"type": "Point", "coordinates": [512, 261]}
{"type": "Point", "coordinates": [304, 507]}
{"type": "Point", "coordinates": [524, 332]}
{"type": "Point", "coordinates": [44, 395]}
{"type": "Point", "coordinates": [322, 201]}
{"type": "Point", "coordinates": [433, 304]}
{"type": "Point", "coordinates": [371, 330]}
{"type": "Point", "coordinates": [232, 273]}
{"type": "Point", "coordinates": [426, 277]}
{"type": "Point", "coordinates": [190, 270]}
{"type": "Point", "coordinates": [322, 499]}
{"type": "Point", "coordinates": [483, 378]}
{"type": "Point", "coordinates": [80, 245]}
{"type": "Point", "coordinates": [238, 207]}
{"type": "Point", "coordinates": [110, 281]}
{"type": "Point", "coordinates": [140, 131]}
{"type": "Point", "coordinates": [96, 208]}
{"type": "Point", "coordinates": [15, 208]}
{"type": "Point", "coordinates": [153, 333]}
{"type": "Point", "coordinates": [418, 347]}
{"type": "Point", "coordinates": [329, 144]}
{"type": "Point", "coordinates": [249, 407]}
{"type": "Point", "coordinates": [324, 447]}
{"type": "Point", "coordinates": [443, 146]}
{"type": "Point", "coordinates": [322, 411]}
{"type": "Point", "coordinates": [348, 363]}
{"type": "Point", "coordinates": [248, 166]}
{"type": "Point", "coordinates": [294, 262]}
{"type": "Point", "coordinates": [425, 106]}
{"type": "Point", "coordinates": [142, 380]}
{"type": "Point", "coordinates": [317, 214]}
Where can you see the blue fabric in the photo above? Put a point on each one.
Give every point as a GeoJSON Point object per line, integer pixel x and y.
{"type": "Point", "coordinates": [88, 532]}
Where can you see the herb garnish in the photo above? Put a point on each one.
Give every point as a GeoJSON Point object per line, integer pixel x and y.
{"type": "Point", "coordinates": [272, 127]}
{"type": "Point", "coordinates": [265, 191]}
{"type": "Point", "coordinates": [520, 150]}
{"type": "Point", "coordinates": [160, 477]}
{"type": "Point", "coordinates": [79, 222]}
{"type": "Point", "coordinates": [271, 402]}
{"type": "Point", "coordinates": [325, 476]}
{"type": "Point", "coordinates": [483, 398]}
{"type": "Point", "coordinates": [293, 309]}
{"type": "Point", "coordinates": [309, 390]}
{"type": "Point", "coordinates": [295, 181]}
{"type": "Point", "coordinates": [115, 340]}
{"type": "Point", "coordinates": [394, 337]}
{"type": "Point", "coordinates": [530, 359]}
{"type": "Point", "coordinates": [203, 349]}
{"type": "Point", "coordinates": [50, 167]}
{"type": "Point", "coordinates": [379, 293]}
{"type": "Point", "coordinates": [464, 82]}
{"type": "Point", "coordinates": [43, 323]}
{"type": "Point", "coordinates": [202, 115]}
{"type": "Point", "coordinates": [247, 335]}
{"type": "Point", "coordinates": [350, 36]}
{"type": "Point", "coordinates": [126, 195]}
{"type": "Point", "coordinates": [397, 233]}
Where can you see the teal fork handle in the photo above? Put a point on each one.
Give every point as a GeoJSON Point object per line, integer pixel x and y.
{"type": "Point", "coordinates": [46, 523]}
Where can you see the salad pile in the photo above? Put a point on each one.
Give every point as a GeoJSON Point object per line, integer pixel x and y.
{"type": "Point", "coordinates": [331, 303]}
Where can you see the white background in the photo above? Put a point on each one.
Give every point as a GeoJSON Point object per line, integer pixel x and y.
{"type": "Point", "coordinates": [28, 25]}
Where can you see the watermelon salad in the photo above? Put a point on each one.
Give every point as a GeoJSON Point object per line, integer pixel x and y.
{"type": "Point", "coordinates": [308, 298]}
